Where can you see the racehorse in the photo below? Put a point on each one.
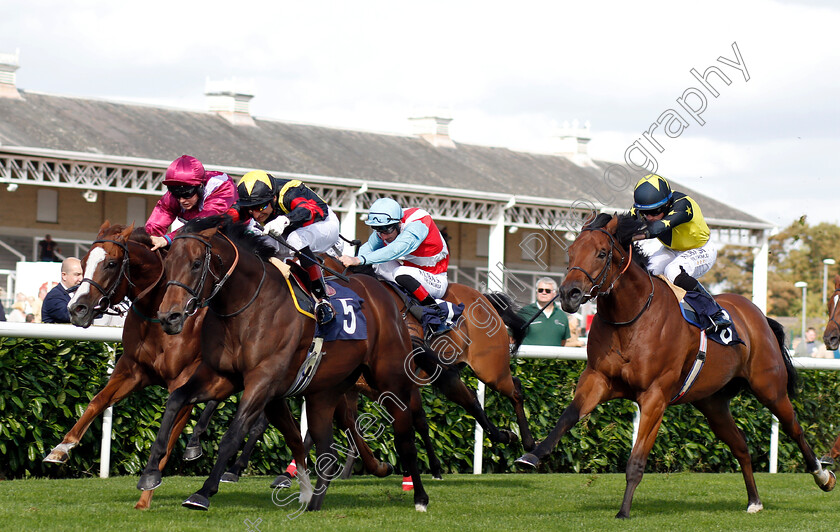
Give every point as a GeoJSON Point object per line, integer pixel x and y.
{"type": "Point", "coordinates": [831, 338]}
{"type": "Point", "coordinates": [111, 273]}
{"type": "Point", "coordinates": [640, 348]}
{"type": "Point", "coordinates": [255, 340]}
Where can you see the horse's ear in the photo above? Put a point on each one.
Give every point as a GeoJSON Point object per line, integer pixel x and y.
{"type": "Point", "coordinates": [612, 225]}
{"type": "Point", "coordinates": [103, 228]}
{"type": "Point", "coordinates": [127, 232]}
{"type": "Point", "coordinates": [837, 281]}
{"type": "Point", "coordinates": [208, 233]}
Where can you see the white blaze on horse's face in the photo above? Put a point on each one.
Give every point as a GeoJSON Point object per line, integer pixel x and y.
{"type": "Point", "coordinates": [95, 257]}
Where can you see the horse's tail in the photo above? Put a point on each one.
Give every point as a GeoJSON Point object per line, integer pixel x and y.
{"type": "Point", "coordinates": [793, 377]}
{"type": "Point", "coordinates": [509, 312]}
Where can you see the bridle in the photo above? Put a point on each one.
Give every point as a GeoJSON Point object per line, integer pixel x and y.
{"type": "Point", "coordinates": [195, 302]}
{"type": "Point", "coordinates": [104, 304]}
{"type": "Point", "coordinates": [831, 318]}
{"type": "Point", "coordinates": [601, 278]}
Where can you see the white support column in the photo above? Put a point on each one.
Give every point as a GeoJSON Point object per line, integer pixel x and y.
{"type": "Point", "coordinates": [107, 423]}
{"type": "Point", "coordinates": [349, 217]}
{"type": "Point", "coordinates": [760, 273]}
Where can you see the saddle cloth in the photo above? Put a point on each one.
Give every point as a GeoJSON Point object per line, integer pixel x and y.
{"type": "Point", "coordinates": [694, 311]}
{"type": "Point", "coordinates": [349, 322]}
{"type": "Point", "coordinates": [426, 316]}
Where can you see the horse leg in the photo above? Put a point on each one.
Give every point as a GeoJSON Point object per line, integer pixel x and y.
{"type": "Point", "coordinates": [421, 426]}
{"type": "Point", "coordinates": [183, 417]}
{"type": "Point", "coordinates": [251, 407]}
{"type": "Point", "coordinates": [829, 458]}
{"type": "Point", "coordinates": [500, 379]}
{"type": "Point", "coordinates": [403, 415]}
{"type": "Point", "coordinates": [320, 411]}
{"type": "Point", "coordinates": [123, 382]}
{"type": "Point", "coordinates": [592, 390]}
{"type": "Point", "coordinates": [776, 399]}
{"type": "Point", "coordinates": [193, 450]}
{"type": "Point", "coordinates": [204, 385]}
{"type": "Point", "coordinates": [717, 412]}
{"type": "Point", "coordinates": [346, 418]}
{"type": "Point", "coordinates": [281, 417]}
{"type": "Point", "coordinates": [254, 436]}
{"type": "Point", "coordinates": [652, 406]}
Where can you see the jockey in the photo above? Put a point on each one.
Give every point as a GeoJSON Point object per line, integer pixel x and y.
{"type": "Point", "coordinates": [686, 253]}
{"type": "Point", "coordinates": [191, 193]}
{"type": "Point", "coordinates": [406, 247]}
{"type": "Point", "coordinates": [290, 208]}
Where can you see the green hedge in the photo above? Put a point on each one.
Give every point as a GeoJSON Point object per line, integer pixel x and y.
{"type": "Point", "coordinates": [45, 386]}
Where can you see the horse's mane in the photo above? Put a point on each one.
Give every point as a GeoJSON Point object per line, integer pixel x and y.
{"type": "Point", "coordinates": [628, 226]}
{"type": "Point", "coordinates": [237, 231]}
{"type": "Point", "coordinates": [140, 236]}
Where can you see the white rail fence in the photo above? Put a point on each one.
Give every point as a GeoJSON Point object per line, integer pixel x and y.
{"type": "Point", "coordinates": [52, 331]}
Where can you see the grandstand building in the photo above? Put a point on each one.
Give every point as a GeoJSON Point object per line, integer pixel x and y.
{"type": "Point", "coordinates": [69, 163]}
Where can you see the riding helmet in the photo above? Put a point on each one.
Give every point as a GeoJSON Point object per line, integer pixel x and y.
{"type": "Point", "coordinates": [384, 211]}
{"type": "Point", "coordinates": [185, 170]}
{"type": "Point", "coordinates": [256, 188]}
{"type": "Point", "coordinates": [651, 192]}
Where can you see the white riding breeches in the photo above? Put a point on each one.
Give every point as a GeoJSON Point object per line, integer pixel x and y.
{"type": "Point", "coordinates": [435, 284]}
{"type": "Point", "coordinates": [319, 236]}
{"type": "Point", "coordinates": [695, 262]}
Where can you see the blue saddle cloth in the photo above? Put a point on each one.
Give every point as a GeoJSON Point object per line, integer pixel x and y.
{"type": "Point", "coordinates": [349, 322]}
{"type": "Point", "coordinates": [696, 310]}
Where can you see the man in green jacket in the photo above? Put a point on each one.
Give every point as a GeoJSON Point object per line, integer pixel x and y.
{"type": "Point", "coordinates": [551, 326]}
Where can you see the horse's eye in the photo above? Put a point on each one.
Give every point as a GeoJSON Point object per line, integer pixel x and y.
{"type": "Point", "coordinates": [602, 254]}
{"type": "Point", "coordinates": [196, 264]}
{"type": "Point", "coordinates": [111, 264]}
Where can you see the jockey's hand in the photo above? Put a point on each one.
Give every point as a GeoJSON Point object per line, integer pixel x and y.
{"type": "Point", "coordinates": [348, 261]}
{"type": "Point", "coordinates": [159, 242]}
{"type": "Point", "coordinates": [277, 225]}
{"type": "Point", "coordinates": [641, 236]}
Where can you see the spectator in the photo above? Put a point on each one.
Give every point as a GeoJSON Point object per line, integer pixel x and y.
{"type": "Point", "coordinates": [30, 318]}
{"type": "Point", "coordinates": [808, 346]}
{"type": "Point", "coordinates": [551, 326]}
{"type": "Point", "coordinates": [54, 309]}
{"type": "Point", "coordinates": [47, 249]}
{"type": "Point", "coordinates": [2, 312]}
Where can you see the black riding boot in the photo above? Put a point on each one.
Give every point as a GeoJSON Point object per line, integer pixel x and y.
{"type": "Point", "coordinates": [422, 296]}
{"type": "Point", "coordinates": [324, 311]}
{"type": "Point", "coordinates": [718, 316]}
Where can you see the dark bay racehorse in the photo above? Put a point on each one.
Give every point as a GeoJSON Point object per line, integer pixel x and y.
{"type": "Point", "coordinates": [255, 340]}
{"type": "Point", "coordinates": [121, 264]}
{"type": "Point", "coordinates": [831, 338]}
{"type": "Point", "coordinates": [640, 348]}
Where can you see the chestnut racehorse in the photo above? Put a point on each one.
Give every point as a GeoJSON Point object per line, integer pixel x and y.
{"type": "Point", "coordinates": [641, 348]}
{"type": "Point", "coordinates": [255, 340]}
{"type": "Point", "coordinates": [831, 338]}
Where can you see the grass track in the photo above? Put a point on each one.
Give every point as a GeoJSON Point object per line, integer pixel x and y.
{"type": "Point", "coordinates": [685, 501]}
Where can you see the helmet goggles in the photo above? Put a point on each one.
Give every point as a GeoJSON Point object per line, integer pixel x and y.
{"type": "Point", "coordinates": [184, 191]}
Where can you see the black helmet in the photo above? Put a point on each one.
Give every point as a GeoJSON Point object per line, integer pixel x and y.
{"type": "Point", "coordinates": [651, 192]}
{"type": "Point", "coordinates": [256, 188]}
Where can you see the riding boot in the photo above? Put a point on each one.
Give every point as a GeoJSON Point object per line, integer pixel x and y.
{"type": "Point", "coordinates": [425, 299]}
{"type": "Point", "coordinates": [717, 315]}
{"type": "Point", "coordinates": [324, 311]}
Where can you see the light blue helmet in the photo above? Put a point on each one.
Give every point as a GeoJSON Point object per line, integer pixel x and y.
{"type": "Point", "coordinates": [384, 211]}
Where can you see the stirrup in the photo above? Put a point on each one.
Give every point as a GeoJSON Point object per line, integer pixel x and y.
{"type": "Point", "coordinates": [324, 312]}
{"type": "Point", "coordinates": [719, 322]}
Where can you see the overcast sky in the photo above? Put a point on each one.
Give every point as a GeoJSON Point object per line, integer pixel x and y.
{"type": "Point", "coordinates": [508, 73]}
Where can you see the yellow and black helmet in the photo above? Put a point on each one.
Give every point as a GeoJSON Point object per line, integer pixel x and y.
{"type": "Point", "coordinates": [651, 193]}
{"type": "Point", "coordinates": [256, 188]}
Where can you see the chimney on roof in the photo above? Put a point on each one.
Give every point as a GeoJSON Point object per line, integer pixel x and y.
{"type": "Point", "coordinates": [434, 129]}
{"type": "Point", "coordinates": [231, 99]}
{"type": "Point", "coordinates": [9, 63]}
{"type": "Point", "coordinates": [572, 141]}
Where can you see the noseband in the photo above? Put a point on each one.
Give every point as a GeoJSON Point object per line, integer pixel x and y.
{"type": "Point", "coordinates": [601, 278]}
{"type": "Point", "coordinates": [195, 302]}
{"type": "Point", "coordinates": [104, 302]}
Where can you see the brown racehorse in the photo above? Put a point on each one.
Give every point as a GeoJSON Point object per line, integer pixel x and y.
{"type": "Point", "coordinates": [640, 348]}
{"type": "Point", "coordinates": [831, 338]}
{"type": "Point", "coordinates": [255, 340]}
{"type": "Point", "coordinates": [111, 273]}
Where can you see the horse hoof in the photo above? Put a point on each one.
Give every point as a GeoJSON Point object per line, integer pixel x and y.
{"type": "Point", "coordinates": [193, 453]}
{"type": "Point", "coordinates": [149, 481]}
{"type": "Point", "coordinates": [828, 486]}
{"type": "Point", "coordinates": [511, 436]}
{"type": "Point", "coordinates": [527, 461]}
{"type": "Point", "coordinates": [437, 476]}
{"type": "Point", "coordinates": [282, 481]}
{"type": "Point", "coordinates": [56, 457]}
{"type": "Point", "coordinates": [229, 477]}
{"type": "Point", "coordinates": [421, 507]}
{"type": "Point", "coordinates": [826, 461]}
{"type": "Point", "coordinates": [197, 502]}
{"type": "Point", "coordinates": [755, 508]}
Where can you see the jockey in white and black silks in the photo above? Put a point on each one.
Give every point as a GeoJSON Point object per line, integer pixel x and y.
{"type": "Point", "coordinates": [289, 207]}
{"type": "Point", "coordinates": [686, 253]}
{"type": "Point", "coordinates": [407, 247]}
{"type": "Point", "coordinates": [191, 193]}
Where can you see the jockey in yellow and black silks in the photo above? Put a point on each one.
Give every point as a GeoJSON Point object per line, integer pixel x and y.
{"type": "Point", "coordinates": [676, 220]}
{"type": "Point", "coordinates": [289, 207]}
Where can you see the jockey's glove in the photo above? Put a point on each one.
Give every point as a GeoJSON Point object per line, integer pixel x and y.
{"type": "Point", "coordinates": [277, 225]}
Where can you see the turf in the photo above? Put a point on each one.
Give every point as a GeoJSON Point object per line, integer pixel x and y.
{"type": "Point", "coordinates": [685, 501]}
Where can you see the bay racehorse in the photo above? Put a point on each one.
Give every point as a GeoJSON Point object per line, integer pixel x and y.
{"type": "Point", "coordinates": [831, 338]}
{"type": "Point", "coordinates": [120, 264]}
{"type": "Point", "coordinates": [641, 348]}
{"type": "Point", "coordinates": [254, 340]}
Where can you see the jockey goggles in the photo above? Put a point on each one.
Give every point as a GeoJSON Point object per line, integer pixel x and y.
{"type": "Point", "coordinates": [184, 191]}
{"type": "Point", "coordinates": [386, 229]}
